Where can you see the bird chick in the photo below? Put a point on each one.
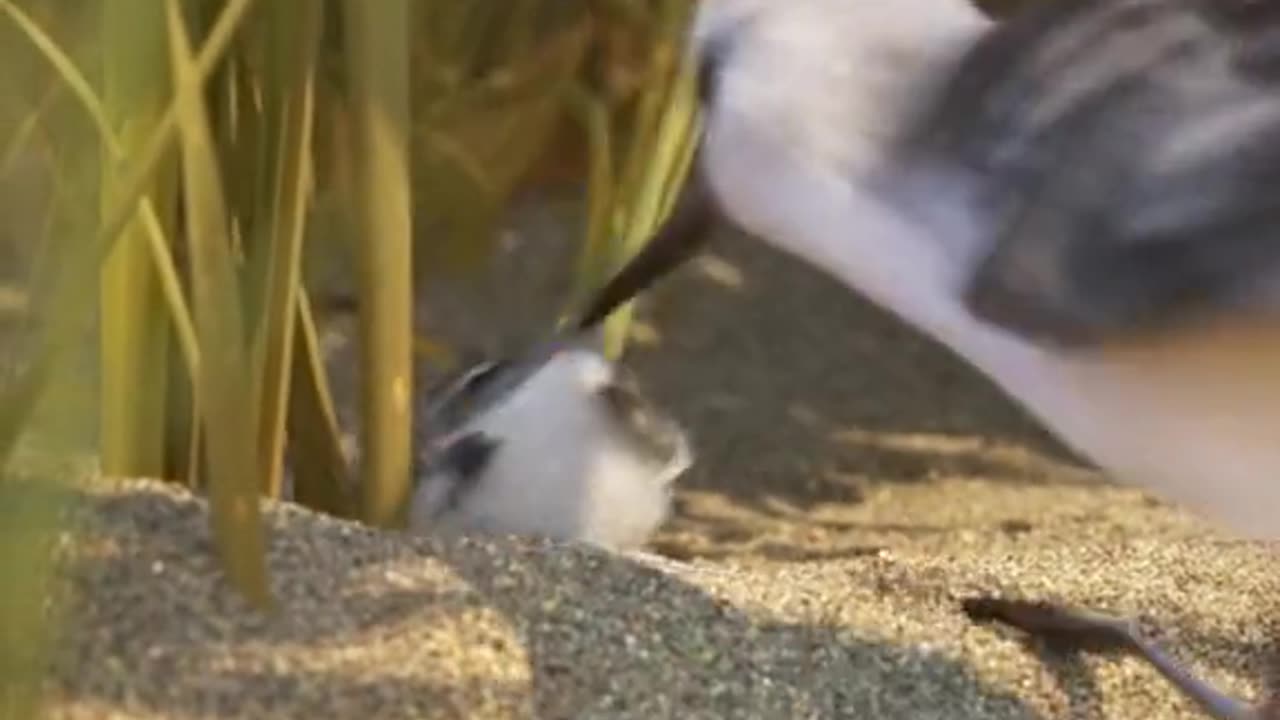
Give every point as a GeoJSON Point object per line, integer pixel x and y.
{"type": "Point", "coordinates": [559, 443]}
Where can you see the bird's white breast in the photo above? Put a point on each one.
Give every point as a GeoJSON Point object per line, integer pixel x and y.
{"type": "Point", "coordinates": [1194, 418]}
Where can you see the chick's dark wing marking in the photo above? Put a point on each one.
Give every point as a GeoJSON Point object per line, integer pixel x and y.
{"type": "Point", "coordinates": [1128, 153]}
{"type": "Point", "coordinates": [639, 419]}
{"type": "Point", "coordinates": [464, 462]}
{"type": "Point", "coordinates": [470, 454]}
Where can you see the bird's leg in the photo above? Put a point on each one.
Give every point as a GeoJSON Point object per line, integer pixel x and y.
{"type": "Point", "coordinates": [1084, 630]}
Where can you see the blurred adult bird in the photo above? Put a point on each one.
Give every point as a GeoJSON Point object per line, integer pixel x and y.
{"type": "Point", "coordinates": [1080, 201]}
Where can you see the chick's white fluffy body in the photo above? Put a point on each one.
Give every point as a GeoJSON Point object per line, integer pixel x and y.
{"type": "Point", "coordinates": [809, 96]}
{"type": "Point", "coordinates": [562, 467]}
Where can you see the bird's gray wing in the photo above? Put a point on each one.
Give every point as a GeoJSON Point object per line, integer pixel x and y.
{"type": "Point", "coordinates": [652, 431]}
{"type": "Point", "coordinates": [1128, 158]}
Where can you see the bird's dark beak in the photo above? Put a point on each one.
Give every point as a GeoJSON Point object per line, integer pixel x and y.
{"type": "Point", "coordinates": [678, 239]}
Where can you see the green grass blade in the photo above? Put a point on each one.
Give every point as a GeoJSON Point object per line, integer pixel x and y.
{"type": "Point", "coordinates": [31, 517]}
{"type": "Point", "coordinates": [378, 75]}
{"type": "Point", "coordinates": [660, 160]}
{"type": "Point", "coordinates": [297, 33]}
{"type": "Point", "coordinates": [154, 232]}
{"type": "Point", "coordinates": [20, 140]}
{"type": "Point", "coordinates": [69, 308]}
{"type": "Point", "coordinates": [135, 334]}
{"type": "Point", "coordinates": [223, 380]}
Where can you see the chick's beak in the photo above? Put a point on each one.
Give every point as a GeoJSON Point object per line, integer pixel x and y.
{"type": "Point", "coordinates": [679, 238]}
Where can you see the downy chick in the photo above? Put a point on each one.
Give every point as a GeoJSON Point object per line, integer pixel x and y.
{"type": "Point", "coordinates": [558, 443]}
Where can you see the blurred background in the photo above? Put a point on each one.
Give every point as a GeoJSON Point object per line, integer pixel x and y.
{"type": "Point", "coordinates": [233, 233]}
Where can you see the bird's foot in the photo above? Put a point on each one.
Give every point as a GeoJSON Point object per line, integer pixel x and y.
{"type": "Point", "coordinates": [1076, 629]}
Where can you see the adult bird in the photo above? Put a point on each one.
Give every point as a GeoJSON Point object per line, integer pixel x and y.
{"type": "Point", "coordinates": [1082, 201]}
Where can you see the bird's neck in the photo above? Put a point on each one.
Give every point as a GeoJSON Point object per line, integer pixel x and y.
{"type": "Point", "coordinates": [805, 124]}
{"type": "Point", "coordinates": [910, 259]}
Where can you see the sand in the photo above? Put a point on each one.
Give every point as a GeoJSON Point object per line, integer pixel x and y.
{"type": "Point", "coordinates": [854, 484]}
